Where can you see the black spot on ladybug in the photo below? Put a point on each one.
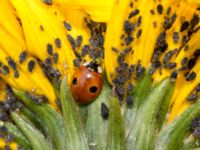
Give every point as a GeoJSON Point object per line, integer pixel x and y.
{"type": "Point", "coordinates": [93, 89]}
{"type": "Point", "coordinates": [74, 81]}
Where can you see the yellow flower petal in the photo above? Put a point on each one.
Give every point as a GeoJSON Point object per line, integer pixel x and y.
{"type": "Point", "coordinates": [179, 99]}
{"type": "Point", "coordinates": [12, 146]}
{"type": "Point", "coordinates": [83, 25]}
{"type": "Point", "coordinates": [184, 12]}
{"type": "Point", "coordinates": [146, 26]}
{"type": "Point", "coordinates": [76, 18]}
{"type": "Point", "coordinates": [2, 90]}
{"type": "Point", "coordinates": [99, 11]}
{"type": "Point", "coordinates": [115, 26]}
{"type": "Point", "coordinates": [12, 45]}
{"type": "Point", "coordinates": [43, 26]}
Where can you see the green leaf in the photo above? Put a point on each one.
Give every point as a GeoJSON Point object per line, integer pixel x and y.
{"type": "Point", "coordinates": [172, 136]}
{"type": "Point", "coordinates": [51, 120]}
{"type": "Point", "coordinates": [96, 126]}
{"type": "Point", "coordinates": [36, 139]}
{"type": "Point", "coordinates": [143, 129]}
{"type": "Point", "coordinates": [75, 136]}
{"type": "Point", "coordinates": [116, 132]}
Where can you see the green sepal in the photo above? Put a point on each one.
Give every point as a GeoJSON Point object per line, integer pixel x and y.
{"type": "Point", "coordinates": [56, 88]}
{"type": "Point", "coordinates": [75, 136]}
{"type": "Point", "coordinates": [34, 136]}
{"type": "Point", "coordinates": [18, 136]}
{"type": "Point", "coordinates": [142, 89]}
{"type": "Point", "coordinates": [190, 142]}
{"type": "Point", "coordinates": [96, 126]}
{"type": "Point", "coordinates": [165, 106]}
{"type": "Point", "coordinates": [83, 111]}
{"type": "Point", "coordinates": [143, 129]}
{"type": "Point", "coordinates": [140, 92]}
{"type": "Point", "coordinates": [51, 120]}
{"type": "Point", "coordinates": [116, 131]}
{"type": "Point", "coordinates": [172, 135]}
{"type": "Point", "coordinates": [33, 118]}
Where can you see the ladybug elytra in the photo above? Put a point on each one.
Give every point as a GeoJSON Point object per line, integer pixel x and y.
{"type": "Point", "coordinates": [86, 85]}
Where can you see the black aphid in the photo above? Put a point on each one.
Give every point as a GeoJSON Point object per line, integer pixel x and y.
{"type": "Point", "coordinates": [31, 65]}
{"type": "Point", "coordinates": [104, 111]}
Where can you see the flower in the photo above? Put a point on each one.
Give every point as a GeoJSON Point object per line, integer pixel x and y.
{"type": "Point", "coordinates": [149, 51]}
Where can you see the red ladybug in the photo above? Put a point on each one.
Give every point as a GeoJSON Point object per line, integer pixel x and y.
{"type": "Point", "coordinates": [86, 85]}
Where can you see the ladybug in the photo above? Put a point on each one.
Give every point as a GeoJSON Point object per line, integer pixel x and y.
{"type": "Point", "coordinates": [86, 85]}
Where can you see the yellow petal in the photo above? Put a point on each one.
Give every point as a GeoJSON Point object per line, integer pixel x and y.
{"type": "Point", "coordinates": [12, 146]}
{"type": "Point", "coordinates": [12, 45]}
{"type": "Point", "coordinates": [183, 87]}
{"type": "Point", "coordinates": [76, 18]}
{"type": "Point", "coordinates": [83, 25]}
{"type": "Point", "coordinates": [184, 12]}
{"type": "Point", "coordinates": [143, 23]}
{"type": "Point", "coordinates": [10, 23]}
{"type": "Point", "coordinates": [115, 26]}
{"type": "Point", "coordinates": [2, 90]}
{"type": "Point", "coordinates": [42, 26]}
{"type": "Point", "coordinates": [99, 11]}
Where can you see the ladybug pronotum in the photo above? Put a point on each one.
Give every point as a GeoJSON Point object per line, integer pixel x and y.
{"type": "Point", "coordinates": [86, 85]}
